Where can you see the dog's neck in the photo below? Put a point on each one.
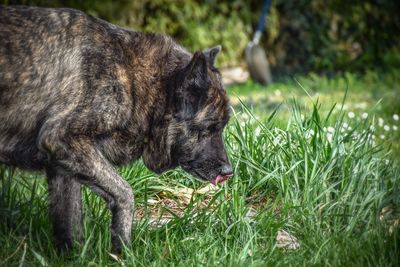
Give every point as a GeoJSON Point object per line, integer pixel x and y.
{"type": "Point", "coordinates": [152, 61]}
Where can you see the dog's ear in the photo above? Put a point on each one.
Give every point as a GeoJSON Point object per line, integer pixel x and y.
{"type": "Point", "coordinates": [197, 71]}
{"type": "Point", "coordinates": [212, 53]}
{"type": "Point", "coordinates": [192, 91]}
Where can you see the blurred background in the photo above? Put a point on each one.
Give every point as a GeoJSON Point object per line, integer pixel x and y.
{"type": "Point", "coordinates": [327, 37]}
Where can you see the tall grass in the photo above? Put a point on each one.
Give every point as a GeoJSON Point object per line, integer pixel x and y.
{"type": "Point", "coordinates": [325, 185]}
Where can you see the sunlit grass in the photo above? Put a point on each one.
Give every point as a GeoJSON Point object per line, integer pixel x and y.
{"type": "Point", "coordinates": [304, 165]}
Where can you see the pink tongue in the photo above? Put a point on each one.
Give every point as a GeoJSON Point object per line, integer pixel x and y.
{"type": "Point", "coordinates": [220, 179]}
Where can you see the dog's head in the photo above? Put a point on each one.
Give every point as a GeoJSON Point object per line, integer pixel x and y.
{"type": "Point", "coordinates": [200, 111]}
{"type": "Point", "coordinates": [190, 134]}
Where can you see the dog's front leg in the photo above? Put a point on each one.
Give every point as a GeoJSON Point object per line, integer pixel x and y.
{"type": "Point", "coordinates": [65, 209]}
{"type": "Point", "coordinates": [81, 158]}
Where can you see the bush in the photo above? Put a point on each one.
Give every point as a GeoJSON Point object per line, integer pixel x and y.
{"type": "Point", "coordinates": [301, 36]}
{"type": "Point", "coordinates": [332, 36]}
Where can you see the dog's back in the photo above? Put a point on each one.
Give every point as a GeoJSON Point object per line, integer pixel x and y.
{"type": "Point", "coordinates": [46, 58]}
{"type": "Point", "coordinates": [32, 67]}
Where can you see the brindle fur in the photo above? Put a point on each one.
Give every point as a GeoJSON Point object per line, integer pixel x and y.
{"type": "Point", "coordinates": [79, 95]}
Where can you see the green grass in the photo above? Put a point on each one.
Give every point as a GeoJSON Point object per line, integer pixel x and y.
{"type": "Point", "coordinates": [297, 168]}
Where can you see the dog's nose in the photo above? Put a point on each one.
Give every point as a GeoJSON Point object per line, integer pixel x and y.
{"type": "Point", "coordinates": [226, 170]}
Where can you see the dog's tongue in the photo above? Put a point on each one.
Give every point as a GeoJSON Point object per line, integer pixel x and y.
{"type": "Point", "coordinates": [220, 179]}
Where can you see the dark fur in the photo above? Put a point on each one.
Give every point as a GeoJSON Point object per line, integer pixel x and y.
{"type": "Point", "coordinates": [79, 95]}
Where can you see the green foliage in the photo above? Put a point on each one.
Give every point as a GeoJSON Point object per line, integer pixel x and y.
{"type": "Point", "coordinates": [333, 36]}
{"type": "Point", "coordinates": [373, 93]}
{"type": "Point", "coordinates": [199, 25]}
{"type": "Point", "coordinates": [301, 36]}
{"type": "Point", "coordinates": [196, 24]}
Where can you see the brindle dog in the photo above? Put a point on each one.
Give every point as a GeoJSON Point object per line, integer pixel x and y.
{"type": "Point", "coordinates": [79, 95]}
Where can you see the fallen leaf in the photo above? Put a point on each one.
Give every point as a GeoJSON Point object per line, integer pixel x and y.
{"type": "Point", "coordinates": [251, 214]}
{"type": "Point", "coordinates": [390, 216]}
{"type": "Point", "coordinates": [116, 258]}
{"type": "Point", "coordinates": [286, 240]}
{"type": "Point", "coordinates": [208, 189]}
{"type": "Point", "coordinates": [184, 194]}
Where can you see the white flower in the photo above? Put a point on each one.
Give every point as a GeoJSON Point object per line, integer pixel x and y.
{"type": "Point", "coordinates": [394, 127]}
{"type": "Point", "coordinates": [245, 116]}
{"type": "Point", "coordinates": [364, 116]}
{"type": "Point", "coordinates": [276, 130]}
{"type": "Point", "coordinates": [277, 140]}
{"type": "Point", "coordinates": [351, 114]}
{"type": "Point", "coordinates": [372, 128]}
{"type": "Point", "coordinates": [330, 129]}
{"type": "Point", "coordinates": [396, 117]}
{"type": "Point", "coordinates": [386, 127]}
{"type": "Point", "coordinates": [258, 131]}
{"type": "Point", "coordinates": [382, 136]}
{"type": "Point", "coordinates": [371, 142]}
{"type": "Point", "coordinates": [330, 137]}
{"type": "Point", "coordinates": [342, 150]}
{"type": "Point", "coordinates": [345, 125]}
{"type": "Point", "coordinates": [380, 122]}
{"type": "Point", "coordinates": [309, 133]}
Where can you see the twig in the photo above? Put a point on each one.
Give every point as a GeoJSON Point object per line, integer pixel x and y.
{"type": "Point", "coordinates": [12, 254]}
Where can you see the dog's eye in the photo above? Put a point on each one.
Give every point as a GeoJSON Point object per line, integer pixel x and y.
{"type": "Point", "coordinates": [202, 134]}
{"type": "Point", "coordinates": [212, 128]}
{"type": "Point", "coordinates": [205, 131]}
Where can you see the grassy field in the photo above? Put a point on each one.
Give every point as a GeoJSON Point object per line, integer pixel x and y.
{"type": "Point", "coordinates": [316, 184]}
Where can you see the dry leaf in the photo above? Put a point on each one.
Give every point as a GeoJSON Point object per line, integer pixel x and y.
{"type": "Point", "coordinates": [116, 258]}
{"type": "Point", "coordinates": [385, 212]}
{"type": "Point", "coordinates": [184, 194]}
{"type": "Point", "coordinates": [390, 217]}
{"type": "Point", "coordinates": [251, 213]}
{"type": "Point", "coordinates": [208, 189]}
{"type": "Point", "coordinates": [175, 200]}
{"type": "Point", "coordinates": [393, 224]}
{"type": "Point", "coordinates": [159, 222]}
{"type": "Point", "coordinates": [286, 240]}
